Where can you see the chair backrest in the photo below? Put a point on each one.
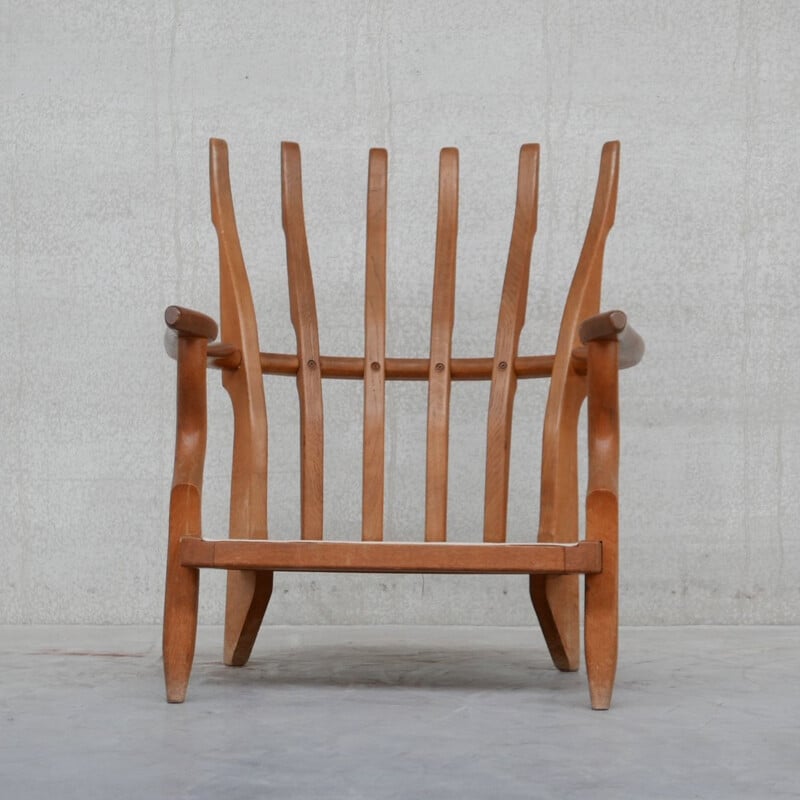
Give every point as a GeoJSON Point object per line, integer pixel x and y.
{"type": "Point", "coordinates": [559, 509]}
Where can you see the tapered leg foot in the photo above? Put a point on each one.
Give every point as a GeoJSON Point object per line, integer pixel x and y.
{"type": "Point", "coordinates": [600, 695]}
{"type": "Point", "coordinates": [601, 648]}
{"type": "Point", "coordinates": [601, 629]}
{"type": "Point", "coordinates": [180, 629]}
{"type": "Point", "coordinates": [555, 600]}
{"type": "Point", "coordinates": [247, 599]}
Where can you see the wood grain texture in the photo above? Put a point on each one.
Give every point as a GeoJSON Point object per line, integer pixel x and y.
{"type": "Point", "coordinates": [182, 582]}
{"type": "Point", "coordinates": [192, 323]}
{"type": "Point", "coordinates": [428, 557]}
{"type": "Point", "coordinates": [374, 368]}
{"type": "Point", "coordinates": [556, 598]}
{"type": "Point", "coordinates": [511, 319]}
{"type": "Point", "coordinates": [601, 597]}
{"type": "Point", "coordinates": [224, 356]}
{"type": "Point", "coordinates": [247, 593]}
{"type": "Point", "coordinates": [405, 369]}
{"type": "Point", "coordinates": [591, 349]}
{"type": "Point", "coordinates": [303, 308]}
{"type": "Point", "coordinates": [606, 326]}
{"type": "Point", "coordinates": [442, 319]}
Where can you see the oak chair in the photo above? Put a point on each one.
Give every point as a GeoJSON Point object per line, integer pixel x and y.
{"type": "Point", "coordinates": [591, 348]}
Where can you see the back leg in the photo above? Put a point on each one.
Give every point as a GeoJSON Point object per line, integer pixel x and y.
{"type": "Point", "coordinates": [248, 592]}
{"type": "Point", "coordinates": [247, 599]}
{"type": "Point", "coordinates": [555, 600]}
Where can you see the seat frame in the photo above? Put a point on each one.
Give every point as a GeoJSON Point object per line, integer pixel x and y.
{"type": "Point", "coordinates": [592, 347]}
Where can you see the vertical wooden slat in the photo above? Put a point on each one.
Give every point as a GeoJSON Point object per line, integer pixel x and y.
{"type": "Point", "coordinates": [374, 350]}
{"type": "Point", "coordinates": [567, 390]}
{"type": "Point", "coordinates": [248, 591]}
{"type": "Point", "coordinates": [510, 322]}
{"type": "Point", "coordinates": [555, 597]}
{"type": "Point", "coordinates": [442, 318]}
{"type": "Point", "coordinates": [304, 318]}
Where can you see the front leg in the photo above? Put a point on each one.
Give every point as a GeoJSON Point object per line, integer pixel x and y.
{"type": "Point", "coordinates": [601, 595]}
{"type": "Point", "coordinates": [182, 583]}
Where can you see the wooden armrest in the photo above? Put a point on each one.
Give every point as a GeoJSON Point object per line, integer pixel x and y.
{"type": "Point", "coordinates": [613, 326]}
{"type": "Point", "coordinates": [187, 324]}
{"type": "Point", "coordinates": [190, 323]}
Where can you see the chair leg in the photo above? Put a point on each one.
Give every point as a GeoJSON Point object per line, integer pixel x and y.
{"type": "Point", "coordinates": [180, 603]}
{"type": "Point", "coordinates": [247, 599]}
{"type": "Point", "coordinates": [180, 630]}
{"type": "Point", "coordinates": [555, 600]}
{"type": "Point", "coordinates": [601, 620]}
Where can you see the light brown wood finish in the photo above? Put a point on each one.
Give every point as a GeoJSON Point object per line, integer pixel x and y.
{"type": "Point", "coordinates": [183, 582]}
{"type": "Point", "coordinates": [248, 593]}
{"type": "Point", "coordinates": [187, 321]}
{"type": "Point", "coordinates": [224, 356]}
{"type": "Point", "coordinates": [510, 322]}
{"type": "Point", "coordinates": [556, 598]}
{"type": "Point", "coordinates": [441, 557]}
{"type": "Point", "coordinates": [609, 343]}
{"type": "Point", "coordinates": [409, 369]}
{"type": "Point", "coordinates": [304, 318]}
{"type": "Point", "coordinates": [442, 319]}
{"type": "Point", "coordinates": [374, 369]}
{"type": "Point", "coordinates": [601, 614]}
{"type": "Point", "coordinates": [404, 369]}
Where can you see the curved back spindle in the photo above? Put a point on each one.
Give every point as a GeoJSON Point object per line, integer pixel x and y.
{"type": "Point", "coordinates": [304, 319]}
{"type": "Point", "coordinates": [248, 512]}
{"type": "Point", "coordinates": [511, 319]}
{"type": "Point", "coordinates": [558, 519]}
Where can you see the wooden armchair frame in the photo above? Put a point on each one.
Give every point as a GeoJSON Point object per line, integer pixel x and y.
{"type": "Point", "coordinates": [591, 348]}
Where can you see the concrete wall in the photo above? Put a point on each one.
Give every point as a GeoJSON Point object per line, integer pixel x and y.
{"type": "Point", "coordinates": [104, 220]}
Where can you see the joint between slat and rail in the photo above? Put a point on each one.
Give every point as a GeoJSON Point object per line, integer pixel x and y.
{"type": "Point", "coordinates": [405, 369]}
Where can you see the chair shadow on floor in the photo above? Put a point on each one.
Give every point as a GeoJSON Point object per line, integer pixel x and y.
{"type": "Point", "coordinates": [405, 664]}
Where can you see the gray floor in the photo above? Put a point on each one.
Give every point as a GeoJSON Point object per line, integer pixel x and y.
{"type": "Point", "coordinates": [405, 712]}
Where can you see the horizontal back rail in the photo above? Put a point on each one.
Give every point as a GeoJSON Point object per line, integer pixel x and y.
{"type": "Point", "coordinates": [395, 369]}
{"type": "Point", "coordinates": [227, 357]}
